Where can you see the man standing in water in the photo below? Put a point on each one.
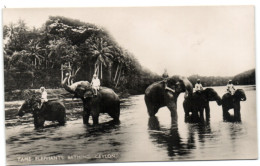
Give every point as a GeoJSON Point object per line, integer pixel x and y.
{"type": "Point", "coordinates": [95, 83]}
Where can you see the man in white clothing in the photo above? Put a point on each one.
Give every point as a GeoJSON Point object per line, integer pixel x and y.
{"type": "Point", "coordinates": [198, 86]}
{"type": "Point", "coordinates": [230, 87]}
{"type": "Point", "coordinates": [43, 96]}
{"type": "Point", "coordinates": [95, 83]}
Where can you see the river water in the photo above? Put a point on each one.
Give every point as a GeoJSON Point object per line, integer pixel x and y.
{"type": "Point", "coordinates": [136, 138]}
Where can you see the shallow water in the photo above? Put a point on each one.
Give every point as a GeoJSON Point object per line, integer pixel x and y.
{"type": "Point", "coordinates": [136, 138]}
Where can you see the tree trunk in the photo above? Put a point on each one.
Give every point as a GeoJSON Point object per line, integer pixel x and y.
{"type": "Point", "coordinates": [118, 76]}
{"type": "Point", "coordinates": [97, 71]}
{"type": "Point", "coordinates": [116, 73]}
{"type": "Point", "coordinates": [77, 71]}
{"type": "Point", "coordinates": [109, 72]}
{"type": "Point", "coordinates": [61, 73]}
{"type": "Point", "coordinates": [101, 70]}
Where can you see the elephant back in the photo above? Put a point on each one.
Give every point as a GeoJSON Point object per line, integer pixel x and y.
{"type": "Point", "coordinates": [53, 109]}
{"type": "Point", "coordinates": [155, 91]}
{"type": "Point", "coordinates": [108, 94]}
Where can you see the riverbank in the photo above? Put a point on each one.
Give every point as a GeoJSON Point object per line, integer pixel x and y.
{"type": "Point", "coordinates": [59, 93]}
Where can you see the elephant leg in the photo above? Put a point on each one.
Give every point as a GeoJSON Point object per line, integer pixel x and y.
{"type": "Point", "coordinates": [201, 110]}
{"type": "Point", "coordinates": [195, 114]}
{"type": "Point", "coordinates": [152, 109]}
{"type": "Point", "coordinates": [86, 115]}
{"type": "Point", "coordinates": [186, 108]}
{"type": "Point", "coordinates": [173, 108]}
{"type": "Point", "coordinates": [226, 115]}
{"type": "Point", "coordinates": [38, 122]}
{"type": "Point", "coordinates": [62, 116]}
{"type": "Point", "coordinates": [95, 115]}
{"type": "Point", "coordinates": [237, 114]}
{"type": "Point", "coordinates": [207, 110]}
{"type": "Point", "coordinates": [95, 119]}
{"type": "Point", "coordinates": [62, 120]}
{"type": "Point", "coordinates": [116, 112]}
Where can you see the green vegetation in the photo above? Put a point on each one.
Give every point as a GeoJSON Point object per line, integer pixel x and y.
{"type": "Point", "coordinates": [41, 57]}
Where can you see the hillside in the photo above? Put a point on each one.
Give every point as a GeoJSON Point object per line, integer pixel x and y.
{"type": "Point", "coordinates": [244, 78]}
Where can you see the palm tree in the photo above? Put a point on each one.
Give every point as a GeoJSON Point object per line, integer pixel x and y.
{"type": "Point", "coordinates": [102, 53]}
{"type": "Point", "coordinates": [34, 49]}
{"type": "Point", "coordinates": [119, 60]}
{"type": "Point", "coordinates": [64, 54]}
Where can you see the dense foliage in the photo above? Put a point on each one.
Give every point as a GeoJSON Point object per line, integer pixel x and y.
{"type": "Point", "coordinates": [42, 57]}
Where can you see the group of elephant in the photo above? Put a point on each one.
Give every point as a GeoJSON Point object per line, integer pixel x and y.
{"type": "Point", "coordinates": [165, 93]}
{"type": "Point", "coordinates": [157, 95]}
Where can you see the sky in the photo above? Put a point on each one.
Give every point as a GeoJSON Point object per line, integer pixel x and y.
{"type": "Point", "coordinates": [208, 41]}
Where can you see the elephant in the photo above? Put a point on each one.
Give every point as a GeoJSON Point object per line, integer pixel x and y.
{"type": "Point", "coordinates": [106, 100]}
{"type": "Point", "coordinates": [199, 101]}
{"type": "Point", "coordinates": [50, 111]}
{"type": "Point", "coordinates": [165, 93]}
{"type": "Point", "coordinates": [233, 102]}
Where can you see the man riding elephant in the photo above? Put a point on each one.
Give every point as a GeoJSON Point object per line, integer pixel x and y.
{"type": "Point", "coordinates": [50, 111]}
{"type": "Point", "coordinates": [197, 103]}
{"type": "Point", "coordinates": [230, 87]}
{"type": "Point", "coordinates": [233, 102]}
{"type": "Point", "coordinates": [157, 95]}
{"type": "Point", "coordinates": [106, 100]}
{"type": "Point", "coordinates": [198, 86]}
{"type": "Point", "coordinates": [95, 83]}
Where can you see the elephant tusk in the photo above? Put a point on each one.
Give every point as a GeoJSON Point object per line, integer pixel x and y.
{"type": "Point", "coordinates": [170, 89]}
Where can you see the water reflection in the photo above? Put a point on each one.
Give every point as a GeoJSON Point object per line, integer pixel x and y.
{"type": "Point", "coordinates": [235, 130]}
{"type": "Point", "coordinates": [169, 138]}
{"type": "Point", "coordinates": [130, 139]}
{"type": "Point", "coordinates": [102, 128]}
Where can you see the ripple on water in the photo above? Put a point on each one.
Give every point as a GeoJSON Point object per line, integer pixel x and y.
{"type": "Point", "coordinates": [137, 137]}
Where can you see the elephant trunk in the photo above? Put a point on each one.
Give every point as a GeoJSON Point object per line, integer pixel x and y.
{"type": "Point", "coordinates": [219, 101]}
{"type": "Point", "coordinates": [21, 111]}
{"type": "Point", "coordinates": [66, 87]}
{"type": "Point", "coordinates": [188, 87]}
{"type": "Point", "coordinates": [243, 99]}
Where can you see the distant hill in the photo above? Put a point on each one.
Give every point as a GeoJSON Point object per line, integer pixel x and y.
{"type": "Point", "coordinates": [209, 80]}
{"type": "Point", "coordinates": [245, 78]}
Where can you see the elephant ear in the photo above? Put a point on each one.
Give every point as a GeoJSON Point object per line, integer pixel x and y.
{"type": "Point", "coordinates": [239, 94]}
{"type": "Point", "coordinates": [27, 94]}
{"type": "Point", "coordinates": [88, 93]}
{"type": "Point", "coordinates": [81, 89]}
{"type": "Point", "coordinates": [180, 84]}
